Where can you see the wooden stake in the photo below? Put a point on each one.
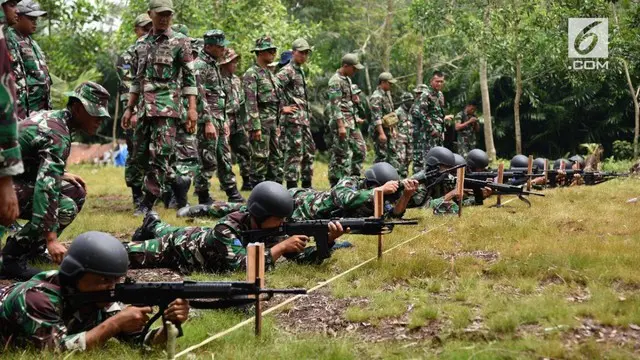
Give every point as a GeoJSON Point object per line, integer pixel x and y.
{"type": "Point", "coordinates": [546, 169]}
{"type": "Point", "coordinates": [378, 208]}
{"type": "Point", "coordinates": [500, 179]}
{"type": "Point", "coordinates": [460, 189]}
{"type": "Point", "coordinates": [529, 172]}
{"type": "Point", "coordinates": [255, 270]}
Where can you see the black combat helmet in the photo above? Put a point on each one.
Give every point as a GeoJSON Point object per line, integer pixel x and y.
{"type": "Point", "coordinates": [380, 173]}
{"type": "Point", "coordinates": [459, 159]}
{"type": "Point", "coordinates": [94, 252]}
{"type": "Point", "coordinates": [557, 163]}
{"type": "Point", "coordinates": [539, 163]}
{"type": "Point", "coordinates": [269, 198]}
{"type": "Point", "coordinates": [477, 159]}
{"type": "Point", "coordinates": [440, 156]}
{"type": "Point", "coordinates": [519, 161]}
{"type": "Point", "coordinates": [577, 159]}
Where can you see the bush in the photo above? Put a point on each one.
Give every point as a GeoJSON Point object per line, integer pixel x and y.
{"type": "Point", "coordinates": [622, 150]}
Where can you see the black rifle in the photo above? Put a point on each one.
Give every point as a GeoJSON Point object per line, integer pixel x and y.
{"type": "Point", "coordinates": [590, 177]}
{"type": "Point", "coordinates": [498, 189]}
{"type": "Point", "coordinates": [227, 294]}
{"type": "Point", "coordinates": [318, 229]}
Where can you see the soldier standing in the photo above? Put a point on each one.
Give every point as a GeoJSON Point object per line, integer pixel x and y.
{"type": "Point", "coordinates": [299, 145]}
{"type": "Point", "coordinates": [163, 68]}
{"type": "Point", "coordinates": [342, 113]}
{"type": "Point", "coordinates": [262, 104]}
{"type": "Point", "coordinates": [467, 127]}
{"type": "Point", "coordinates": [384, 121]}
{"type": "Point", "coordinates": [49, 197]}
{"type": "Point", "coordinates": [124, 68]}
{"type": "Point", "coordinates": [358, 144]}
{"type": "Point", "coordinates": [404, 142]}
{"type": "Point", "coordinates": [418, 135]}
{"type": "Point", "coordinates": [238, 139]}
{"type": "Point", "coordinates": [214, 151]}
{"type": "Point", "coordinates": [29, 64]}
{"type": "Point", "coordinates": [429, 114]}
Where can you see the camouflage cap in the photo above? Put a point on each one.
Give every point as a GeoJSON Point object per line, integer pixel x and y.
{"type": "Point", "coordinates": [161, 5]}
{"type": "Point", "coordinates": [420, 88]}
{"type": "Point", "coordinates": [264, 43]}
{"type": "Point", "coordinates": [406, 97]}
{"type": "Point", "coordinates": [142, 20]}
{"type": "Point", "coordinates": [301, 45]}
{"type": "Point", "coordinates": [386, 76]}
{"type": "Point", "coordinates": [93, 97]}
{"type": "Point", "coordinates": [355, 90]}
{"type": "Point", "coordinates": [30, 8]}
{"type": "Point", "coordinates": [352, 59]}
{"type": "Point", "coordinates": [181, 28]}
{"type": "Point", "coordinates": [229, 56]}
{"type": "Point", "coordinates": [215, 37]}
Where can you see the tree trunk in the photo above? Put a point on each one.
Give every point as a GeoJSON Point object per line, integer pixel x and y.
{"type": "Point", "coordinates": [636, 108]}
{"type": "Point", "coordinates": [388, 26]}
{"type": "Point", "coordinates": [516, 105]}
{"type": "Point", "coordinates": [486, 110]}
{"type": "Point", "coordinates": [367, 78]}
{"type": "Point", "coordinates": [420, 62]}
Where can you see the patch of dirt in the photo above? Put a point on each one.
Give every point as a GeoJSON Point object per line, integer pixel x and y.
{"type": "Point", "coordinates": [571, 225]}
{"type": "Point", "coordinates": [114, 203]}
{"type": "Point", "coordinates": [488, 256]}
{"type": "Point", "coordinates": [154, 275]}
{"type": "Point", "coordinates": [322, 313]}
{"type": "Point", "coordinates": [579, 295]}
{"type": "Point", "coordinates": [589, 330]}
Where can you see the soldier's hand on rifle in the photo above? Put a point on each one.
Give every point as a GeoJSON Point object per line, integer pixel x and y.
{"type": "Point", "coordinates": [256, 135]}
{"type": "Point", "coordinates": [410, 187]}
{"type": "Point", "coordinates": [335, 231]}
{"type": "Point", "coordinates": [56, 250]}
{"type": "Point", "coordinates": [289, 109]}
{"type": "Point", "coordinates": [210, 131]}
{"type": "Point", "coordinates": [342, 132]}
{"type": "Point", "coordinates": [192, 117]}
{"type": "Point", "coordinates": [132, 319]}
{"type": "Point", "coordinates": [178, 311]}
{"type": "Point", "coordinates": [486, 192]}
{"type": "Point", "coordinates": [390, 187]}
{"type": "Point", "coordinates": [295, 244]}
{"type": "Point", "coordinates": [9, 207]}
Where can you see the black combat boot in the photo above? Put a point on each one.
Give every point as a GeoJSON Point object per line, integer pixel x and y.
{"type": "Point", "coordinates": [146, 204]}
{"type": "Point", "coordinates": [246, 184]}
{"type": "Point", "coordinates": [166, 197]}
{"type": "Point", "coordinates": [234, 195]}
{"type": "Point", "coordinates": [181, 191]}
{"type": "Point", "coordinates": [292, 184]}
{"type": "Point", "coordinates": [147, 230]}
{"type": "Point", "coordinates": [13, 263]}
{"type": "Point", "coordinates": [306, 184]}
{"type": "Point", "coordinates": [193, 211]}
{"type": "Point", "coordinates": [136, 193]}
{"type": "Point", "coordinates": [204, 198]}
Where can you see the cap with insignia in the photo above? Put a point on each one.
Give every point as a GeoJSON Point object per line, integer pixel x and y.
{"type": "Point", "coordinates": [386, 76]}
{"type": "Point", "coordinates": [161, 5]}
{"type": "Point", "coordinates": [29, 8]}
{"type": "Point", "coordinates": [264, 43]}
{"type": "Point", "coordinates": [301, 45]}
{"type": "Point", "coordinates": [352, 59]}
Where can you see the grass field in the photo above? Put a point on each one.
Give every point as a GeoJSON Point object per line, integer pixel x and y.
{"type": "Point", "coordinates": [557, 280]}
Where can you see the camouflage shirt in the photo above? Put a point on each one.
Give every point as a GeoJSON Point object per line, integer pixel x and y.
{"type": "Point", "coordinates": [31, 74]}
{"type": "Point", "coordinates": [45, 141]}
{"type": "Point", "coordinates": [341, 106]}
{"type": "Point", "coordinates": [209, 78]}
{"type": "Point", "coordinates": [164, 72]}
{"type": "Point", "coordinates": [124, 70]}
{"type": "Point", "coordinates": [294, 87]}
{"type": "Point", "coordinates": [429, 112]}
{"type": "Point", "coordinates": [34, 313]}
{"type": "Point", "coordinates": [380, 104]}
{"type": "Point", "coordinates": [405, 126]}
{"type": "Point", "coordinates": [467, 135]}
{"type": "Point", "coordinates": [10, 159]}
{"type": "Point", "coordinates": [262, 97]}
{"type": "Point", "coordinates": [235, 99]}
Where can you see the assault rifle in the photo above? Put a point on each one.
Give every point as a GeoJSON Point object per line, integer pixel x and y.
{"type": "Point", "coordinates": [227, 294]}
{"type": "Point", "coordinates": [318, 229]}
{"type": "Point", "coordinates": [590, 177]}
{"type": "Point", "coordinates": [499, 189]}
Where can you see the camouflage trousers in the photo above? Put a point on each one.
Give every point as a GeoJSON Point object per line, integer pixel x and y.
{"type": "Point", "coordinates": [341, 156]}
{"type": "Point", "coordinates": [299, 152]}
{"type": "Point", "coordinates": [359, 150]}
{"type": "Point", "coordinates": [386, 152]}
{"type": "Point", "coordinates": [266, 156]}
{"type": "Point", "coordinates": [419, 144]}
{"type": "Point", "coordinates": [186, 153]}
{"type": "Point", "coordinates": [214, 155]}
{"type": "Point", "coordinates": [463, 147]}
{"type": "Point", "coordinates": [241, 150]}
{"type": "Point", "coordinates": [405, 154]}
{"type": "Point", "coordinates": [71, 200]}
{"type": "Point", "coordinates": [154, 140]}
{"type": "Point", "coordinates": [133, 172]}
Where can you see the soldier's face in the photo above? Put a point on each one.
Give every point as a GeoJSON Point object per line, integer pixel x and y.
{"type": "Point", "coordinates": [268, 55]}
{"type": "Point", "coordinates": [161, 20]}
{"type": "Point", "coordinates": [93, 282]}
{"type": "Point", "coordinates": [27, 25]}
{"type": "Point", "coordinates": [84, 121]}
{"type": "Point", "coordinates": [300, 57]}
{"type": "Point", "coordinates": [471, 109]}
{"type": "Point", "coordinates": [215, 50]}
{"type": "Point", "coordinates": [10, 12]}
{"type": "Point", "coordinates": [231, 67]}
{"type": "Point", "coordinates": [141, 30]}
{"type": "Point", "coordinates": [437, 83]}
{"type": "Point", "coordinates": [349, 70]}
{"type": "Point", "coordinates": [385, 85]}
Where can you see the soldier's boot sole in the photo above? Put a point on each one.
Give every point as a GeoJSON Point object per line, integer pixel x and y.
{"type": "Point", "coordinates": [14, 264]}
{"type": "Point", "coordinates": [146, 230]}
{"type": "Point", "coordinates": [193, 211]}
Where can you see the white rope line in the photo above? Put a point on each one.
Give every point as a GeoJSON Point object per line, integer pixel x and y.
{"type": "Point", "coordinates": [292, 299]}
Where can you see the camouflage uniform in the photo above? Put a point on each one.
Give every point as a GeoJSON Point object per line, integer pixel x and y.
{"type": "Point", "coordinates": [428, 114]}
{"type": "Point", "coordinates": [216, 249]}
{"type": "Point", "coordinates": [340, 107]}
{"type": "Point", "coordinates": [31, 74]}
{"type": "Point", "coordinates": [418, 134]}
{"type": "Point", "coordinates": [34, 313]}
{"type": "Point", "coordinates": [465, 138]}
{"type": "Point", "coordinates": [163, 68]}
{"type": "Point", "coordinates": [404, 142]}
{"type": "Point", "coordinates": [238, 139]}
{"type": "Point", "coordinates": [358, 144]}
{"type": "Point", "coordinates": [299, 150]}
{"type": "Point", "coordinates": [381, 104]}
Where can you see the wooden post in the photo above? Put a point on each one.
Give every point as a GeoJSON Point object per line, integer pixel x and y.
{"type": "Point", "coordinates": [546, 170]}
{"type": "Point", "coordinates": [529, 172]}
{"type": "Point", "coordinates": [378, 208]}
{"type": "Point", "coordinates": [500, 179]}
{"type": "Point", "coordinates": [460, 189]}
{"type": "Point", "coordinates": [255, 270]}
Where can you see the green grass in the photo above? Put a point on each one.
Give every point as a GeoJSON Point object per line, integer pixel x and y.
{"type": "Point", "coordinates": [575, 241]}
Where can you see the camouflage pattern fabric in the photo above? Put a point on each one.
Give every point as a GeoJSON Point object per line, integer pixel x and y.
{"type": "Point", "coordinates": [134, 170]}
{"type": "Point", "coordinates": [465, 138]}
{"type": "Point", "coordinates": [186, 153]}
{"type": "Point", "coordinates": [155, 140]}
{"type": "Point", "coordinates": [419, 139]}
{"type": "Point", "coordinates": [381, 104]}
{"type": "Point", "coordinates": [299, 148]}
{"type": "Point", "coordinates": [238, 139]}
{"type": "Point", "coordinates": [441, 206]}
{"type": "Point", "coordinates": [219, 209]}
{"type": "Point", "coordinates": [340, 108]}
{"type": "Point", "coordinates": [262, 105]}
{"type": "Point", "coordinates": [429, 116]}
{"type": "Point", "coordinates": [31, 74]}
{"type": "Point", "coordinates": [33, 313]}
{"type": "Point", "coordinates": [124, 68]}
{"type": "Point", "coordinates": [216, 249]}
{"type": "Point", "coordinates": [359, 151]}
{"type": "Point", "coordinates": [404, 142]}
